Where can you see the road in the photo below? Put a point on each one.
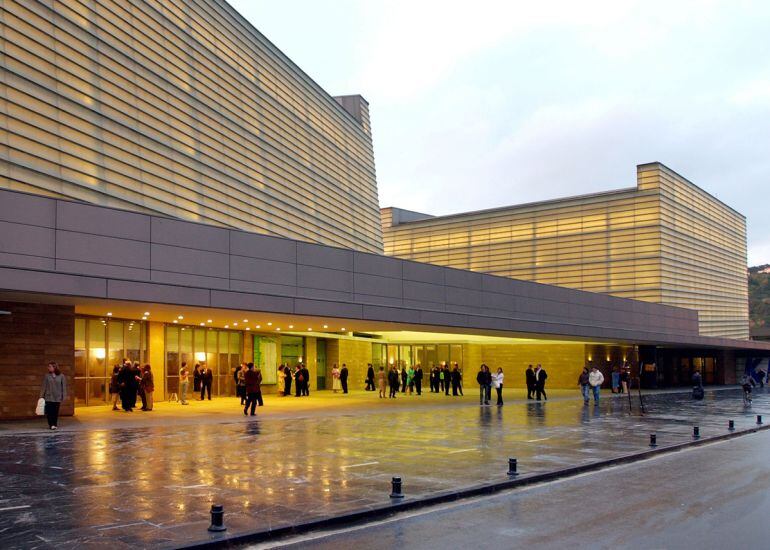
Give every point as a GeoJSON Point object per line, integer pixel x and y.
{"type": "Point", "coordinates": [711, 497]}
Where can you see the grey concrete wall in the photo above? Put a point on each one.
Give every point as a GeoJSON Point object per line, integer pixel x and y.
{"type": "Point", "coordinates": [60, 247]}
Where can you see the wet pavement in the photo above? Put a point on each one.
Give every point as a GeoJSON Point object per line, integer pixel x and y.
{"type": "Point", "coordinates": [153, 485]}
{"type": "Point", "coordinates": [711, 498]}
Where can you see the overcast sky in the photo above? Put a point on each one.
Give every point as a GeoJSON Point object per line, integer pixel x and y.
{"type": "Point", "coordinates": [489, 103]}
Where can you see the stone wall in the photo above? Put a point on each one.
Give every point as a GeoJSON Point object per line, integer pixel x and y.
{"type": "Point", "coordinates": [30, 337]}
{"type": "Point", "coordinates": [562, 362]}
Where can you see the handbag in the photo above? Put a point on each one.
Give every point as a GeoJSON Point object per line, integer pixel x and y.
{"type": "Point", "coordinates": [40, 408]}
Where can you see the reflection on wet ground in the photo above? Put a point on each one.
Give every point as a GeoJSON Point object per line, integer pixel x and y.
{"type": "Point", "coordinates": [154, 485]}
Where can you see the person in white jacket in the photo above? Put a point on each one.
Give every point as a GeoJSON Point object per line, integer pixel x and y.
{"type": "Point", "coordinates": [497, 383]}
{"type": "Point", "coordinates": [595, 380]}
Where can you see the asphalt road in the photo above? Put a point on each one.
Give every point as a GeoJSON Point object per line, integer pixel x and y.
{"type": "Point", "coordinates": [710, 497]}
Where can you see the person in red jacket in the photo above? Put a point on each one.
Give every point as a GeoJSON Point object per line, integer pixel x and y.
{"type": "Point", "coordinates": [253, 389]}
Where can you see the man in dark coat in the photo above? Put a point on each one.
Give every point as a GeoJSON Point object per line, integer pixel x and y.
{"type": "Point", "coordinates": [447, 379]}
{"type": "Point", "coordinates": [393, 382]}
{"type": "Point", "coordinates": [306, 384]}
{"type": "Point", "coordinates": [344, 378]}
{"type": "Point", "coordinates": [418, 379]}
{"type": "Point", "coordinates": [530, 382]}
{"type": "Point", "coordinates": [369, 378]}
{"type": "Point", "coordinates": [207, 380]}
{"type": "Point", "coordinates": [253, 389]}
{"type": "Point", "coordinates": [540, 376]}
{"type": "Point", "coordinates": [125, 382]}
{"type": "Point", "coordinates": [287, 381]}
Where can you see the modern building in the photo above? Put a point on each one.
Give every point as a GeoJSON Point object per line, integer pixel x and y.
{"type": "Point", "coordinates": [173, 188]}
{"type": "Point", "coordinates": [664, 241]}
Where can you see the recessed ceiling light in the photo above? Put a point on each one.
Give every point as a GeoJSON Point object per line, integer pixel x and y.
{"type": "Point", "coordinates": [109, 314]}
{"type": "Point", "coordinates": [176, 321]}
{"type": "Point", "coordinates": [208, 321]}
{"type": "Point", "coordinates": [291, 326]}
{"type": "Point", "coordinates": [245, 320]}
{"type": "Point", "coordinates": [227, 326]}
{"type": "Point", "coordinates": [326, 326]}
{"type": "Point", "coordinates": [180, 317]}
{"type": "Point", "coordinates": [247, 328]}
{"type": "Point", "coordinates": [309, 329]}
{"type": "Point", "coordinates": [259, 326]}
{"type": "Point", "coordinates": [203, 324]}
{"type": "Point", "coordinates": [343, 328]}
{"type": "Point", "coordinates": [279, 328]}
{"type": "Point", "coordinates": [270, 324]}
{"type": "Point", "coordinates": [147, 313]}
{"type": "Point", "coordinates": [235, 324]}
{"type": "Point", "coordinates": [144, 318]}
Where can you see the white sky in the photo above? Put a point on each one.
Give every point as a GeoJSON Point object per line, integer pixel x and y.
{"type": "Point", "coordinates": [492, 102]}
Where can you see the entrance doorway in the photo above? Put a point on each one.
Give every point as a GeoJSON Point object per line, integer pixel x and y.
{"type": "Point", "coordinates": [321, 364]}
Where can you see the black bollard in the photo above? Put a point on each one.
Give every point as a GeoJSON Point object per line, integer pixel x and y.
{"type": "Point", "coordinates": [731, 425]}
{"type": "Point", "coordinates": [217, 518]}
{"type": "Point", "coordinates": [696, 432]}
{"type": "Point", "coordinates": [512, 464]}
{"type": "Point", "coordinates": [653, 440]}
{"type": "Point", "coordinates": [759, 419]}
{"type": "Point", "coordinates": [396, 492]}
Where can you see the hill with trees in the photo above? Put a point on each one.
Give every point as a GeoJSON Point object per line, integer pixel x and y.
{"type": "Point", "coordinates": [759, 295]}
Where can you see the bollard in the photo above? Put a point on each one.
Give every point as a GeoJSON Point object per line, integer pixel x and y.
{"type": "Point", "coordinates": [396, 492]}
{"type": "Point", "coordinates": [759, 419]}
{"type": "Point", "coordinates": [512, 464]}
{"type": "Point", "coordinates": [217, 518]}
{"type": "Point", "coordinates": [653, 440]}
{"type": "Point", "coordinates": [731, 425]}
{"type": "Point", "coordinates": [696, 432]}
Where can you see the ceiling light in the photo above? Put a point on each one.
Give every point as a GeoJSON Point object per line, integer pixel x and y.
{"type": "Point", "coordinates": [259, 326]}
{"type": "Point", "coordinates": [326, 326]}
{"type": "Point", "coordinates": [147, 313]}
{"type": "Point", "coordinates": [245, 320]}
{"type": "Point", "coordinates": [279, 328]}
{"type": "Point", "coordinates": [235, 324]}
{"type": "Point", "coordinates": [343, 328]}
{"type": "Point", "coordinates": [109, 314]}
{"type": "Point", "coordinates": [310, 329]}
{"type": "Point", "coordinates": [291, 326]}
{"type": "Point", "coordinates": [176, 321]}
{"type": "Point", "coordinates": [203, 324]}
{"type": "Point", "coordinates": [180, 317]}
{"type": "Point", "coordinates": [208, 321]}
{"type": "Point", "coordinates": [144, 318]}
{"type": "Point", "coordinates": [270, 324]}
{"type": "Point", "coordinates": [247, 328]}
{"type": "Point", "coordinates": [227, 326]}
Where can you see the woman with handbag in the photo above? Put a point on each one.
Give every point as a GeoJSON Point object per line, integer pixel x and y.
{"type": "Point", "coordinates": [53, 390]}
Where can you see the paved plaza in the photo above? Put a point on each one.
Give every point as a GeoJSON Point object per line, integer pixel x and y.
{"type": "Point", "coordinates": [128, 480]}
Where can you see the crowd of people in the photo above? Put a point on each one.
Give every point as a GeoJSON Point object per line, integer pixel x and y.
{"type": "Point", "coordinates": [128, 382]}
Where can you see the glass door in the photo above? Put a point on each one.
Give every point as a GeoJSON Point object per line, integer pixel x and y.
{"type": "Point", "coordinates": [321, 364]}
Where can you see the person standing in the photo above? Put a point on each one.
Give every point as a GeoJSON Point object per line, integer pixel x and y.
{"type": "Point", "coordinates": [115, 387]}
{"type": "Point", "coordinates": [207, 380]}
{"type": "Point", "coordinates": [197, 376]}
{"type": "Point", "coordinates": [595, 380]}
{"type": "Point", "coordinates": [497, 382]}
{"type": "Point", "coordinates": [306, 381]}
{"type": "Point", "coordinates": [240, 387]}
{"type": "Point", "coordinates": [344, 378]}
{"type": "Point", "coordinates": [298, 378]}
{"type": "Point", "coordinates": [531, 382]}
{"type": "Point", "coordinates": [440, 382]}
{"type": "Point", "coordinates": [125, 383]}
{"type": "Point", "coordinates": [540, 378]}
{"type": "Point", "coordinates": [279, 380]}
{"type": "Point", "coordinates": [456, 381]}
{"type": "Point", "coordinates": [584, 385]}
{"type": "Point", "coordinates": [139, 376]}
{"type": "Point", "coordinates": [136, 379]}
{"type": "Point", "coordinates": [287, 379]}
{"type": "Point", "coordinates": [403, 379]}
{"type": "Point", "coordinates": [381, 382]}
{"type": "Point", "coordinates": [484, 378]}
{"type": "Point", "coordinates": [625, 377]}
{"type": "Point", "coordinates": [410, 379]}
{"type": "Point", "coordinates": [235, 378]}
{"type": "Point", "coordinates": [148, 386]}
{"type": "Point", "coordinates": [53, 390]}
{"type": "Point", "coordinates": [460, 379]}
{"type": "Point", "coordinates": [336, 385]}
{"type": "Point", "coordinates": [370, 378]}
{"type": "Point", "coordinates": [418, 379]}
{"type": "Point", "coordinates": [184, 382]}
{"type": "Point", "coordinates": [447, 378]}
{"type": "Point", "coordinates": [253, 387]}
{"type": "Point", "coordinates": [393, 381]}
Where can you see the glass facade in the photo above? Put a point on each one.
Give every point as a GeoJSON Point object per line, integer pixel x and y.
{"type": "Point", "coordinates": [666, 241]}
{"type": "Point", "coordinates": [406, 355]}
{"type": "Point", "coordinates": [220, 350]}
{"type": "Point", "coordinates": [100, 344]}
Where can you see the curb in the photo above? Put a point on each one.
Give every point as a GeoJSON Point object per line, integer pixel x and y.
{"type": "Point", "coordinates": [390, 509]}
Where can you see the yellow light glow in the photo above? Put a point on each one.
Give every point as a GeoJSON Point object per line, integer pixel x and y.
{"type": "Point", "coordinates": [109, 314]}
{"type": "Point", "coordinates": [200, 356]}
{"type": "Point", "coordinates": [291, 326]}
{"type": "Point", "coordinates": [98, 353]}
{"type": "Point", "coordinates": [180, 317]}
{"type": "Point", "coordinates": [147, 313]}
